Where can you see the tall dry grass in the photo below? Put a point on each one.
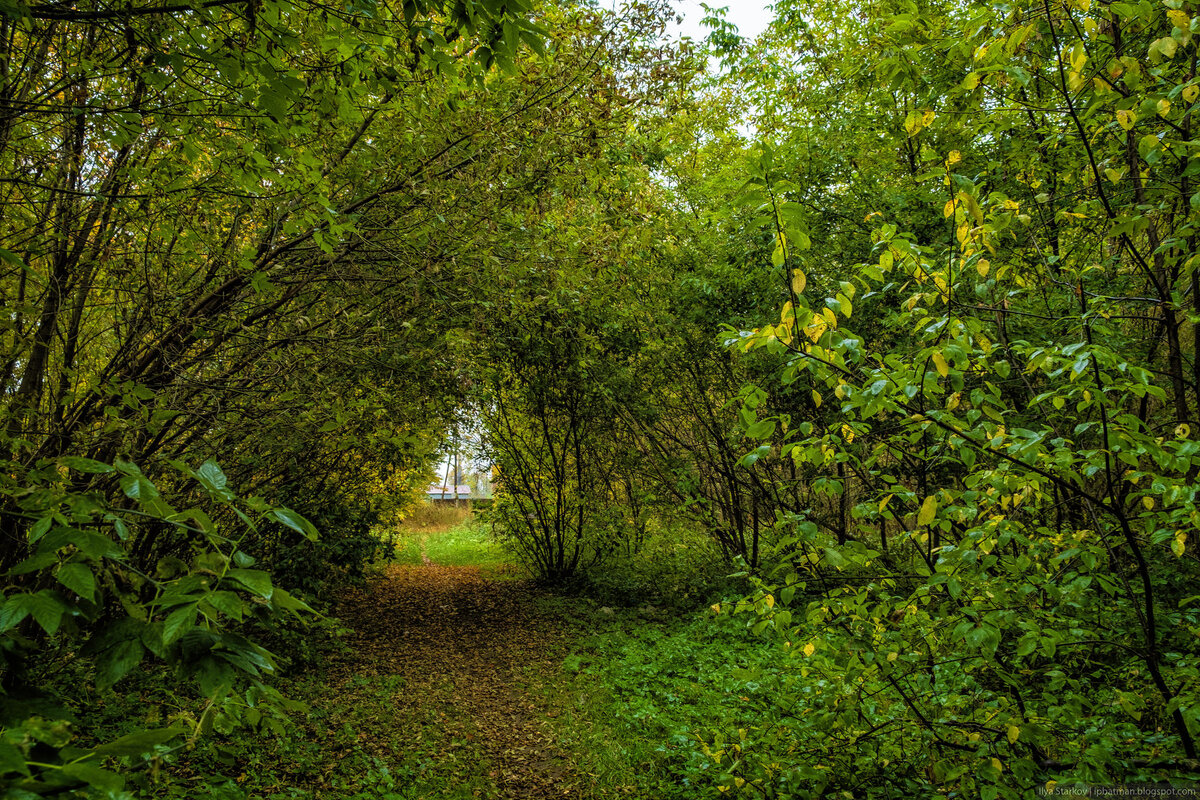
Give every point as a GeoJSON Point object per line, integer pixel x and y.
{"type": "Point", "coordinates": [435, 518]}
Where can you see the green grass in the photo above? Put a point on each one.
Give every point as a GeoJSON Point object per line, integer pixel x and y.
{"type": "Point", "coordinates": [640, 690]}
{"type": "Point", "coordinates": [408, 548]}
{"type": "Point", "coordinates": [470, 544]}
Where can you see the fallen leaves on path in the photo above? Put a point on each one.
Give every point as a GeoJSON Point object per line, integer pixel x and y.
{"type": "Point", "coordinates": [461, 649]}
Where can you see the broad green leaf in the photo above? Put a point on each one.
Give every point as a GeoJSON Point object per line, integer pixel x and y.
{"type": "Point", "coordinates": [135, 744]}
{"type": "Point", "coordinates": [117, 661]}
{"type": "Point", "coordinates": [11, 760]}
{"type": "Point", "coordinates": [78, 578]}
{"type": "Point", "coordinates": [179, 622]}
{"type": "Point", "coordinates": [92, 774]}
{"type": "Point", "coordinates": [255, 581]}
{"type": "Point", "coordinates": [86, 465]}
{"type": "Point", "coordinates": [294, 521]}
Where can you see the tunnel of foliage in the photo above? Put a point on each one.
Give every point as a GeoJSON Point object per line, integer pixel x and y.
{"type": "Point", "coordinates": [919, 357]}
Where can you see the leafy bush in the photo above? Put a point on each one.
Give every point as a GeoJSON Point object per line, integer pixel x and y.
{"type": "Point", "coordinates": [675, 566]}
{"type": "Point", "coordinates": [79, 605]}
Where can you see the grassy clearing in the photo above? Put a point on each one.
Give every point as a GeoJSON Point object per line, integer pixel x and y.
{"type": "Point", "coordinates": [466, 542]}
{"type": "Point", "coordinates": [469, 544]}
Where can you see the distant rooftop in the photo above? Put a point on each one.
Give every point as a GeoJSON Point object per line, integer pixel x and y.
{"type": "Point", "coordinates": [447, 492]}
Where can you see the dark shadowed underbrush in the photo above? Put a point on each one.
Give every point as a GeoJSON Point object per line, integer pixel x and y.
{"type": "Point", "coordinates": [679, 568]}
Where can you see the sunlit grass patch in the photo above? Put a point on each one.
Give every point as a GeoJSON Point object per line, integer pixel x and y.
{"type": "Point", "coordinates": [470, 544]}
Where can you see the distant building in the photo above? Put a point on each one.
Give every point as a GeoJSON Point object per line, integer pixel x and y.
{"type": "Point", "coordinates": [448, 493]}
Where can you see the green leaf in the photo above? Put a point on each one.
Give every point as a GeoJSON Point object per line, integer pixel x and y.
{"type": "Point", "coordinates": [135, 744]}
{"type": "Point", "coordinates": [86, 465]}
{"type": "Point", "coordinates": [45, 607]}
{"type": "Point", "coordinates": [89, 773]}
{"type": "Point", "coordinates": [227, 603]}
{"type": "Point", "coordinates": [93, 545]}
{"type": "Point", "coordinates": [39, 529]}
{"type": "Point", "coordinates": [288, 602]}
{"type": "Point", "coordinates": [178, 622]}
{"type": "Point", "coordinates": [38, 562]}
{"type": "Point", "coordinates": [761, 429]}
{"type": "Point", "coordinates": [79, 579]}
{"type": "Point", "coordinates": [212, 475]}
{"type": "Point", "coordinates": [12, 612]}
{"type": "Point", "coordinates": [214, 480]}
{"type": "Point", "coordinates": [294, 521]}
{"type": "Point", "coordinates": [117, 661]}
{"type": "Point", "coordinates": [11, 759]}
{"type": "Point", "coordinates": [253, 580]}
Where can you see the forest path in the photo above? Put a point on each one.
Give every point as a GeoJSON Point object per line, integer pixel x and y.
{"type": "Point", "coordinates": [462, 653]}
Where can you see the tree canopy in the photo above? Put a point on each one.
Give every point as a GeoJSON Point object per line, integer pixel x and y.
{"type": "Point", "coordinates": [916, 352]}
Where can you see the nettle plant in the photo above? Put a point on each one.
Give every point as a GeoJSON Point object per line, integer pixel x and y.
{"type": "Point", "coordinates": [79, 604]}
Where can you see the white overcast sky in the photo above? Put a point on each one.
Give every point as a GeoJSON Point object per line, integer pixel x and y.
{"type": "Point", "coordinates": [750, 16]}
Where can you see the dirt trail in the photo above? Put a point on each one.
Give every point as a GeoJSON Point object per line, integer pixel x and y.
{"type": "Point", "coordinates": [465, 647]}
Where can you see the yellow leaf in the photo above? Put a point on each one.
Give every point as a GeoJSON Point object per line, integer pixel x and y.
{"type": "Point", "coordinates": [815, 328]}
{"type": "Point", "coordinates": [1182, 430]}
{"type": "Point", "coordinates": [847, 433]}
{"type": "Point", "coordinates": [939, 361]}
{"type": "Point", "coordinates": [809, 649]}
{"type": "Point", "coordinates": [1148, 502]}
{"type": "Point", "coordinates": [788, 313]}
{"type": "Point", "coordinates": [716, 607]}
{"type": "Point", "coordinates": [893, 656]}
{"type": "Point", "coordinates": [997, 765]}
{"type": "Point", "coordinates": [1050, 786]}
{"type": "Point", "coordinates": [1126, 118]}
{"type": "Point", "coordinates": [769, 600]}
{"type": "Point", "coordinates": [928, 511]}
{"type": "Point", "coordinates": [798, 281]}
{"type": "Point", "coordinates": [971, 81]}
{"type": "Point", "coordinates": [816, 398]}
{"type": "Point", "coordinates": [948, 210]}
{"type": "Point", "coordinates": [829, 317]}
{"type": "Point", "coordinates": [1164, 107]}
{"type": "Point", "coordinates": [918, 120]}
{"type": "Point", "coordinates": [982, 266]}
{"type": "Point", "coordinates": [953, 401]}
{"type": "Point", "coordinates": [1179, 19]}
{"type": "Point", "coordinates": [883, 503]}
{"type": "Point", "coordinates": [954, 157]}
{"type": "Point", "coordinates": [1178, 544]}
{"type": "Point", "coordinates": [738, 782]}
{"type": "Point", "coordinates": [1190, 93]}
{"type": "Point", "coordinates": [1014, 733]}
{"type": "Point", "coordinates": [1078, 57]}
